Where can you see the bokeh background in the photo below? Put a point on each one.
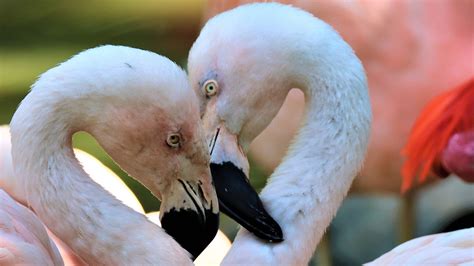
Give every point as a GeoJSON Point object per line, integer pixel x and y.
{"type": "Point", "coordinates": [37, 35]}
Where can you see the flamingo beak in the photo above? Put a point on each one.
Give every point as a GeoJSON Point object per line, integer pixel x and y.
{"type": "Point", "coordinates": [190, 216]}
{"type": "Point", "coordinates": [237, 198]}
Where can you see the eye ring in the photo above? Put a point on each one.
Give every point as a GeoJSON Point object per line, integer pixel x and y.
{"type": "Point", "coordinates": [211, 87]}
{"type": "Point", "coordinates": [173, 140]}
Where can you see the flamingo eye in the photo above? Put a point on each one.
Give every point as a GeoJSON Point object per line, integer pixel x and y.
{"type": "Point", "coordinates": [173, 140]}
{"type": "Point", "coordinates": [210, 87]}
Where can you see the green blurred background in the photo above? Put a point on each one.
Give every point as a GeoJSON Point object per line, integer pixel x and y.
{"type": "Point", "coordinates": [37, 35]}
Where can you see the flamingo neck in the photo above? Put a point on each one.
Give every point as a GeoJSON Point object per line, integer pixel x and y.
{"type": "Point", "coordinates": [306, 189]}
{"type": "Point", "coordinates": [93, 223]}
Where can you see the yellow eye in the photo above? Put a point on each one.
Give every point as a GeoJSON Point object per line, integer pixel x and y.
{"type": "Point", "coordinates": [173, 140]}
{"type": "Point", "coordinates": [211, 87]}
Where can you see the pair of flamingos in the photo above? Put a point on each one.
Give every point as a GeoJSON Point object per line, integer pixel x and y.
{"type": "Point", "coordinates": [141, 110]}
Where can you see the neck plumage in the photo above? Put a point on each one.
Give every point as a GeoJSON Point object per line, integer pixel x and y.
{"type": "Point", "coordinates": [307, 188]}
{"type": "Point", "coordinates": [94, 224]}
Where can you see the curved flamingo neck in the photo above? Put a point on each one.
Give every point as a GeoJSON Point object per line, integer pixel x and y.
{"type": "Point", "coordinates": [94, 224]}
{"type": "Point", "coordinates": [307, 188]}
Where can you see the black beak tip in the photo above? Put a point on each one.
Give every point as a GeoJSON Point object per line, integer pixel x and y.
{"type": "Point", "coordinates": [270, 231]}
{"type": "Point", "coordinates": [239, 201]}
{"type": "Point", "coordinates": [192, 231]}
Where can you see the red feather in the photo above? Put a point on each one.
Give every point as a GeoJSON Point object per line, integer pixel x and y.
{"type": "Point", "coordinates": [445, 115]}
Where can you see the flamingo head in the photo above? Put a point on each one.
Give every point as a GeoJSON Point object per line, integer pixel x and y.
{"type": "Point", "coordinates": [242, 67]}
{"type": "Point", "coordinates": [146, 118]}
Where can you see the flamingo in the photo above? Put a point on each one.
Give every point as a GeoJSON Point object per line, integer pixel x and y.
{"type": "Point", "coordinates": [212, 254]}
{"type": "Point", "coordinates": [27, 243]}
{"type": "Point", "coordinates": [411, 51]}
{"type": "Point", "coordinates": [141, 110]}
{"type": "Point", "coordinates": [242, 66]}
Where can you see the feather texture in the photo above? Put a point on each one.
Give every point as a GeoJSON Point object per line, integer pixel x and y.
{"type": "Point", "coordinates": [447, 114]}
